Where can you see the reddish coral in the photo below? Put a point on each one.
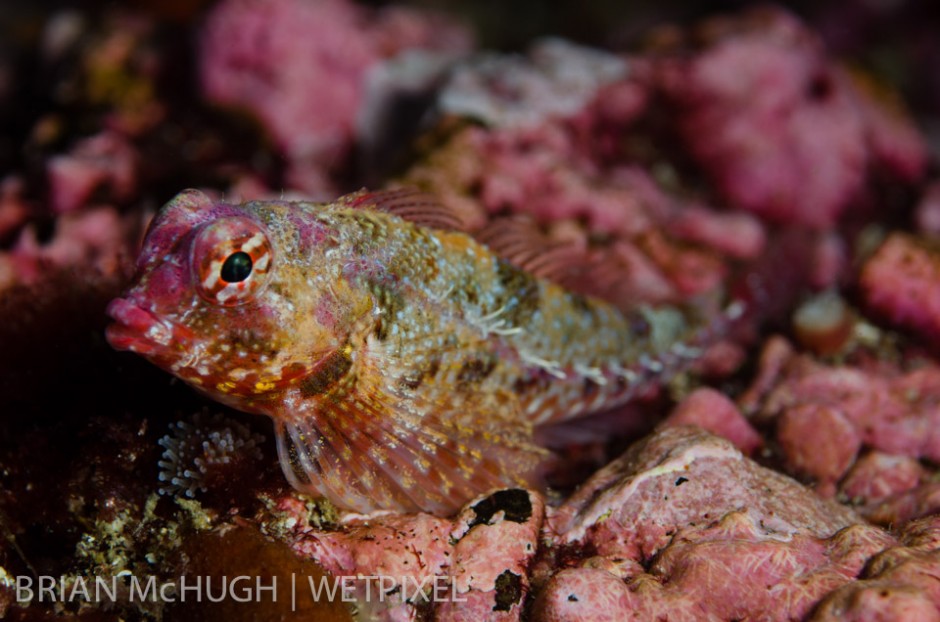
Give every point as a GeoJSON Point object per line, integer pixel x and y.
{"type": "Point", "coordinates": [732, 569]}
{"type": "Point", "coordinates": [831, 257]}
{"type": "Point", "coordinates": [901, 281]}
{"type": "Point", "coordinates": [774, 356]}
{"type": "Point", "coordinates": [924, 500]}
{"type": "Point", "coordinates": [680, 477]}
{"type": "Point", "coordinates": [736, 234]}
{"type": "Point", "coordinates": [759, 104]}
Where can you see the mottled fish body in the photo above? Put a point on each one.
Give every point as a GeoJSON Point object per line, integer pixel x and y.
{"type": "Point", "coordinates": [404, 363]}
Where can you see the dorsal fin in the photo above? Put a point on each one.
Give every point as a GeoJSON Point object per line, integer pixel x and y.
{"type": "Point", "coordinates": [411, 204]}
{"type": "Point", "coordinates": [518, 240]}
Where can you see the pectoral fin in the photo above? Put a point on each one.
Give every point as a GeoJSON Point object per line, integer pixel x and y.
{"type": "Point", "coordinates": [371, 451]}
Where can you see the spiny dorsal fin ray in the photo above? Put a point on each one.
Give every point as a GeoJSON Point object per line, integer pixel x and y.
{"type": "Point", "coordinates": [411, 204]}
{"type": "Point", "coordinates": [373, 450]}
{"type": "Point", "coordinates": [518, 240]}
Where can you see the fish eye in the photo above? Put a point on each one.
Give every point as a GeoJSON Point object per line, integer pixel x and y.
{"type": "Point", "coordinates": [231, 258]}
{"type": "Point", "coordinates": [236, 268]}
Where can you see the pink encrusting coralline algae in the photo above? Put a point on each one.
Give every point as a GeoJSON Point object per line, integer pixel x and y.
{"type": "Point", "coordinates": [683, 527]}
{"type": "Point", "coordinates": [404, 363]}
{"type": "Point", "coordinates": [759, 102]}
{"type": "Point", "coordinates": [481, 557]}
{"type": "Point", "coordinates": [857, 431]}
{"type": "Point", "coordinates": [901, 282]}
{"type": "Point", "coordinates": [303, 69]}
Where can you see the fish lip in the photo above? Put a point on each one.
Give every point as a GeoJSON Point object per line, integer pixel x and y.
{"type": "Point", "coordinates": [137, 329]}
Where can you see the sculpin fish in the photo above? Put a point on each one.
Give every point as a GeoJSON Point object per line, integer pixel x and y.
{"type": "Point", "coordinates": [404, 363]}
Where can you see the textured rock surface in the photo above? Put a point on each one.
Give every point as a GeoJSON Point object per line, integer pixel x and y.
{"type": "Point", "coordinates": [901, 281]}
{"type": "Point", "coordinates": [683, 525]}
{"type": "Point", "coordinates": [897, 584]}
{"type": "Point", "coordinates": [301, 68]}
{"type": "Point", "coordinates": [478, 562]}
{"type": "Point", "coordinates": [716, 413]}
{"type": "Point", "coordinates": [796, 103]}
{"type": "Point", "coordinates": [824, 414]}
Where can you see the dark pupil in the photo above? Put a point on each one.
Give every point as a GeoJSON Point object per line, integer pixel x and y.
{"type": "Point", "coordinates": [237, 267]}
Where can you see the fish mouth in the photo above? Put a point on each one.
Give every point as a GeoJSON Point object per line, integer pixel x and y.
{"type": "Point", "coordinates": [138, 330]}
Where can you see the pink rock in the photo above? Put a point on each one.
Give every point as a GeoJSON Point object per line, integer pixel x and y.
{"type": "Point", "coordinates": [737, 234]}
{"type": "Point", "coordinates": [818, 442]}
{"type": "Point", "coordinates": [679, 477]}
{"type": "Point", "coordinates": [585, 594]}
{"type": "Point", "coordinates": [300, 67]}
{"type": "Point", "coordinates": [94, 241]}
{"type": "Point", "coordinates": [542, 172]}
{"type": "Point", "coordinates": [924, 500]}
{"type": "Point", "coordinates": [761, 102]}
{"type": "Point", "coordinates": [104, 161]}
{"type": "Point", "coordinates": [825, 413]}
{"type": "Point", "coordinates": [877, 476]}
{"type": "Point", "coordinates": [877, 601]}
{"type": "Point", "coordinates": [480, 558]}
{"type": "Point", "coordinates": [707, 533]}
{"type": "Point", "coordinates": [899, 584]}
{"type": "Point", "coordinates": [775, 355]}
{"type": "Point", "coordinates": [716, 413]}
{"type": "Point", "coordinates": [896, 146]}
{"type": "Point", "coordinates": [640, 277]}
{"type": "Point", "coordinates": [921, 535]}
{"type": "Point", "coordinates": [691, 271]}
{"type": "Point", "coordinates": [721, 359]}
{"type": "Point", "coordinates": [492, 558]}
{"type": "Point", "coordinates": [901, 281]}
{"type": "Point", "coordinates": [830, 261]}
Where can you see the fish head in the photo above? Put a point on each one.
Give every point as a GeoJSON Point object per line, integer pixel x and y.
{"type": "Point", "coordinates": [238, 300]}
